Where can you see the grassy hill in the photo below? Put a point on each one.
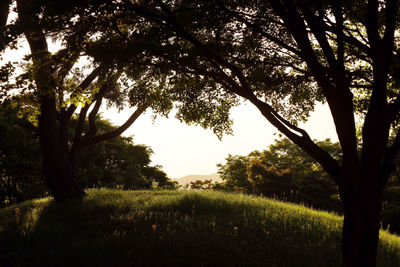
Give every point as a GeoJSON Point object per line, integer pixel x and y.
{"type": "Point", "coordinates": [193, 177]}
{"type": "Point", "coordinates": [173, 228]}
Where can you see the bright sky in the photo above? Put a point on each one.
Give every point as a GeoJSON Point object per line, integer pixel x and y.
{"type": "Point", "coordinates": [184, 150]}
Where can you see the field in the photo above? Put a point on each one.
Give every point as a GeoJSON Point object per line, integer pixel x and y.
{"type": "Point", "coordinates": [174, 228]}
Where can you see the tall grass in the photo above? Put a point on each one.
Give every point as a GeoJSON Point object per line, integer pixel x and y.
{"type": "Point", "coordinates": [174, 228]}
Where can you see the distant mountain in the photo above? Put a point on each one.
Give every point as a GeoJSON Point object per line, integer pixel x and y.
{"type": "Point", "coordinates": [193, 177]}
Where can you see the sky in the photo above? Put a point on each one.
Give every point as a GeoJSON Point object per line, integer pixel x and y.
{"type": "Point", "coordinates": [183, 150]}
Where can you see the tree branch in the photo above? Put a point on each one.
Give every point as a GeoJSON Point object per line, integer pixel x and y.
{"type": "Point", "coordinates": [372, 23]}
{"type": "Point", "coordinates": [107, 86]}
{"type": "Point", "coordinates": [77, 144]}
{"type": "Point", "coordinates": [67, 66]}
{"type": "Point", "coordinates": [92, 116]}
{"type": "Point", "coordinates": [329, 164]}
{"type": "Point", "coordinates": [338, 96]}
{"type": "Point", "coordinates": [388, 38]}
{"type": "Point", "coordinates": [106, 136]}
{"type": "Point", "coordinates": [317, 28]}
{"type": "Point", "coordinates": [4, 11]}
{"type": "Point", "coordinates": [394, 109]}
{"type": "Point", "coordinates": [387, 165]}
{"type": "Point", "coordinates": [337, 11]}
{"type": "Point", "coordinates": [84, 84]}
{"type": "Point", "coordinates": [377, 125]}
{"type": "Point", "coordinates": [259, 30]}
{"type": "Point", "coordinates": [66, 117]}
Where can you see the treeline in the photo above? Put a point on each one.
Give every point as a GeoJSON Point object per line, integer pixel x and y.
{"type": "Point", "coordinates": [285, 172]}
{"type": "Point", "coordinates": [116, 163]}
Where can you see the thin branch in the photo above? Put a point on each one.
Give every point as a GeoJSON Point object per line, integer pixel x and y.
{"type": "Point", "coordinates": [67, 66]}
{"type": "Point", "coordinates": [387, 165]}
{"type": "Point", "coordinates": [67, 115]}
{"type": "Point", "coordinates": [372, 23]}
{"type": "Point", "coordinates": [337, 11]}
{"type": "Point", "coordinates": [364, 86]}
{"type": "Point", "coordinates": [92, 116]}
{"type": "Point", "coordinates": [394, 109]}
{"type": "Point", "coordinates": [301, 138]}
{"type": "Point", "coordinates": [77, 143]}
{"type": "Point", "coordinates": [109, 84]}
{"type": "Point", "coordinates": [84, 84]}
{"type": "Point", "coordinates": [388, 38]}
{"type": "Point", "coordinates": [348, 38]}
{"type": "Point", "coordinates": [259, 30]}
{"type": "Point", "coordinates": [316, 25]}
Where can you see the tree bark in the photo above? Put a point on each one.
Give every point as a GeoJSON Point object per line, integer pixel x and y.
{"type": "Point", "coordinates": [57, 169]}
{"type": "Point", "coordinates": [361, 223]}
{"type": "Point", "coordinates": [4, 11]}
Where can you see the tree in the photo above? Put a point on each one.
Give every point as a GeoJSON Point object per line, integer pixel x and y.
{"type": "Point", "coordinates": [233, 174]}
{"type": "Point", "coordinates": [114, 163]}
{"type": "Point", "coordinates": [283, 171]}
{"type": "Point", "coordinates": [313, 185]}
{"type": "Point", "coordinates": [118, 163]}
{"type": "Point", "coordinates": [54, 87]}
{"type": "Point", "coordinates": [283, 56]}
{"type": "Point", "coordinates": [271, 182]}
{"type": "Point", "coordinates": [201, 185]}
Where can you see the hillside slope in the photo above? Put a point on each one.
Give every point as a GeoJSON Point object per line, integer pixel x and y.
{"type": "Point", "coordinates": [193, 177]}
{"type": "Point", "coordinates": [173, 228]}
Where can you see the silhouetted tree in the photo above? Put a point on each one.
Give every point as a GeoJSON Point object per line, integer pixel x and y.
{"type": "Point", "coordinates": [283, 56]}
{"type": "Point", "coordinates": [201, 185]}
{"type": "Point", "coordinates": [114, 163]}
{"type": "Point", "coordinates": [283, 171]}
{"type": "Point", "coordinates": [53, 86]}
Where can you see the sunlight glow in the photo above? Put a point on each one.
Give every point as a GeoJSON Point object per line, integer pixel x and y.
{"type": "Point", "coordinates": [184, 150]}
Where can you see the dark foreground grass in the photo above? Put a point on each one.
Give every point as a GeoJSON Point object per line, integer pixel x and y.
{"type": "Point", "coordinates": [173, 228]}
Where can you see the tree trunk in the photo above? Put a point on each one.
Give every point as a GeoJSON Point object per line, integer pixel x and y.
{"type": "Point", "coordinates": [361, 224]}
{"type": "Point", "coordinates": [57, 169]}
{"type": "Point", "coordinates": [76, 154]}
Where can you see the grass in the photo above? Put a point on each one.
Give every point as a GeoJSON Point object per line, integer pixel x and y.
{"type": "Point", "coordinates": [174, 228]}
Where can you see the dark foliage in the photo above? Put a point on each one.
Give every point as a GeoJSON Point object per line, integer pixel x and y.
{"type": "Point", "coordinates": [116, 163]}
{"type": "Point", "coordinates": [20, 158]}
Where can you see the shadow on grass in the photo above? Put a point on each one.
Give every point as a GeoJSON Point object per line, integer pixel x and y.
{"type": "Point", "coordinates": [161, 229]}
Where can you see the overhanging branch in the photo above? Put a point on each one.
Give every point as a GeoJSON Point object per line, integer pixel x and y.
{"type": "Point", "coordinates": [303, 140]}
